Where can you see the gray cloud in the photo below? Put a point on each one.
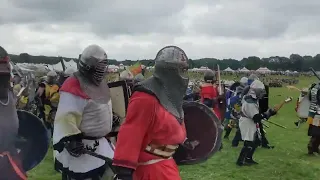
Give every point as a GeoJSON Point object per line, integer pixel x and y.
{"type": "Point", "coordinates": [137, 29]}
{"type": "Point", "coordinates": [106, 17]}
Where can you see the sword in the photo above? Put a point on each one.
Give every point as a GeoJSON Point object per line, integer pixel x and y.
{"type": "Point", "coordinates": [106, 159]}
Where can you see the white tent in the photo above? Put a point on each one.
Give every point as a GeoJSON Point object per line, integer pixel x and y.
{"type": "Point", "coordinates": [70, 64]}
{"type": "Point", "coordinates": [287, 71]}
{"type": "Point", "coordinates": [244, 69]}
{"type": "Point", "coordinates": [113, 68]}
{"type": "Point", "coordinates": [263, 70]}
{"type": "Point", "coordinates": [228, 69]}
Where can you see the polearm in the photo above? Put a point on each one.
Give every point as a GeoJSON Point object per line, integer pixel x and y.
{"type": "Point", "coordinates": [276, 124]}
{"type": "Point", "coordinates": [219, 79]}
{"type": "Point", "coordinates": [314, 73]}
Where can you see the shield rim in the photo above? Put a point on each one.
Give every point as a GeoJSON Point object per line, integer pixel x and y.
{"type": "Point", "coordinates": [218, 139]}
{"type": "Point", "coordinates": [48, 144]}
{"type": "Point", "coordinates": [124, 86]}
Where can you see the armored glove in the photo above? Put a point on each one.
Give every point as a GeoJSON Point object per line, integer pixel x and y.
{"type": "Point", "coordinates": [191, 145]}
{"type": "Point", "coordinates": [75, 148]}
{"type": "Point", "coordinates": [269, 113]}
{"type": "Point", "coordinates": [123, 173]}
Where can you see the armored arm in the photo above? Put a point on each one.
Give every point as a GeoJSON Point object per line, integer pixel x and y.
{"type": "Point", "coordinates": [191, 145]}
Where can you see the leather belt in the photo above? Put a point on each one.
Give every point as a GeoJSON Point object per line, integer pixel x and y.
{"type": "Point", "coordinates": [164, 151]}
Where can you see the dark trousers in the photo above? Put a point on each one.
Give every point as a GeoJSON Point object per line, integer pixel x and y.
{"type": "Point", "coordinates": [314, 145]}
{"type": "Point", "coordinates": [246, 154]}
{"type": "Point", "coordinates": [237, 138]}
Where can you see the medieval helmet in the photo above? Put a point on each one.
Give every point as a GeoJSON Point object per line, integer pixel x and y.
{"type": "Point", "coordinates": [251, 78]}
{"type": "Point", "coordinates": [171, 64]}
{"type": "Point", "coordinates": [93, 63]}
{"type": "Point", "coordinates": [51, 76]}
{"type": "Point", "coordinates": [244, 81]}
{"type": "Point", "coordinates": [209, 76]}
{"type": "Point", "coordinates": [239, 90]}
{"type": "Point", "coordinates": [257, 89]}
{"type": "Point", "coordinates": [68, 72]}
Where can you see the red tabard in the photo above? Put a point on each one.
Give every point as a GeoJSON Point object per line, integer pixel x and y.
{"type": "Point", "coordinates": [211, 92]}
{"type": "Point", "coordinates": [147, 122]}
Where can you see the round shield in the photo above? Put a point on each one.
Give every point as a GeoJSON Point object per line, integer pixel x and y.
{"type": "Point", "coordinates": [202, 125]}
{"type": "Point", "coordinates": [34, 139]}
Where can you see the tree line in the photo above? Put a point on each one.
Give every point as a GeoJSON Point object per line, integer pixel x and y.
{"type": "Point", "coordinates": [295, 62]}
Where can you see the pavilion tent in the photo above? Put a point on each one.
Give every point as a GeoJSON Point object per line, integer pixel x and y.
{"type": "Point", "coordinates": [228, 69]}
{"type": "Point", "coordinates": [263, 70]}
{"type": "Point", "coordinates": [244, 69]}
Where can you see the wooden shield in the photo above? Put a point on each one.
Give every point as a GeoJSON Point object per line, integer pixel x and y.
{"type": "Point", "coordinates": [205, 127]}
{"type": "Point", "coordinates": [119, 97]}
{"type": "Point", "coordinates": [33, 140]}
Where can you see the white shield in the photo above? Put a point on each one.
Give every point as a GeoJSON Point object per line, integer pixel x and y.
{"type": "Point", "coordinates": [303, 108]}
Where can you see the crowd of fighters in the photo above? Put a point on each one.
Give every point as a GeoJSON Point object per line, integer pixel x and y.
{"type": "Point", "coordinates": [78, 110]}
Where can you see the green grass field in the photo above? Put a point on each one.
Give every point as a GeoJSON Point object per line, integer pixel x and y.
{"type": "Point", "coordinates": [288, 161]}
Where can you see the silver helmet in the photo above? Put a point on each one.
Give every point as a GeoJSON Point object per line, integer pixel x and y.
{"type": "Point", "coordinates": [244, 81]}
{"type": "Point", "coordinates": [257, 89]}
{"type": "Point", "coordinates": [51, 77]}
{"type": "Point", "coordinates": [209, 76]}
{"type": "Point", "coordinates": [93, 63]}
{"type": "Point", "coordinates": [170, 80]}
{"type": "Point", "coordinates": [171, 63]}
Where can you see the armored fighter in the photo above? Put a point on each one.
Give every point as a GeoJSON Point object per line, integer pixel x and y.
{"type": "Point", "coordinates": [210, 94]}
{"type": "Point", "coordinates": [233, 97]}
{"type": "Point", "coordinates": [83, 119]}
{"type": "Point", "coordinates": [10, 162]}
{"type": "Point", "coordinates": [48, 96]}
{"type": "Point", "coordinates": [263, 108]}
{"type": "Point", "coordinates": [314, 120]}
{"type": "Point", "coordinates": [234, 107]}
{"type": "Point", "coordinates": [154, 125]}
{"type": "Point", "coordinates": [250, 117]}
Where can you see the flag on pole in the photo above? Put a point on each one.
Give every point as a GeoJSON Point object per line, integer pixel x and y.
{"type": "Point", "coordinates": [135, 69]}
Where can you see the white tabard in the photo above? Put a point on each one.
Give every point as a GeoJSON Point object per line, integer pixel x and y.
{"type": "Point", "coordinates": [76, 115]}
{"type": "Point", "coordinates": [247, 126]}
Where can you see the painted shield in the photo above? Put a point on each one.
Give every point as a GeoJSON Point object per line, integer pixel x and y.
{"type": "Point", "coordinates": [33, 140]}
{"type": "Point", "coordinates": [303, 108]}
{"type": "Point", "coordinates": [264, 102]}
{"type": "Point", "coordinates": [202, 125]}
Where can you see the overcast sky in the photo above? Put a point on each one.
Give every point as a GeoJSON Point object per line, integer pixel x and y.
{"type": "Point", "coordinates": [137, 29]}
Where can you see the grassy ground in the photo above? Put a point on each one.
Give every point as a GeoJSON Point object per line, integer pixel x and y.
{"type": "Point", "coordinates": [288, 161]}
